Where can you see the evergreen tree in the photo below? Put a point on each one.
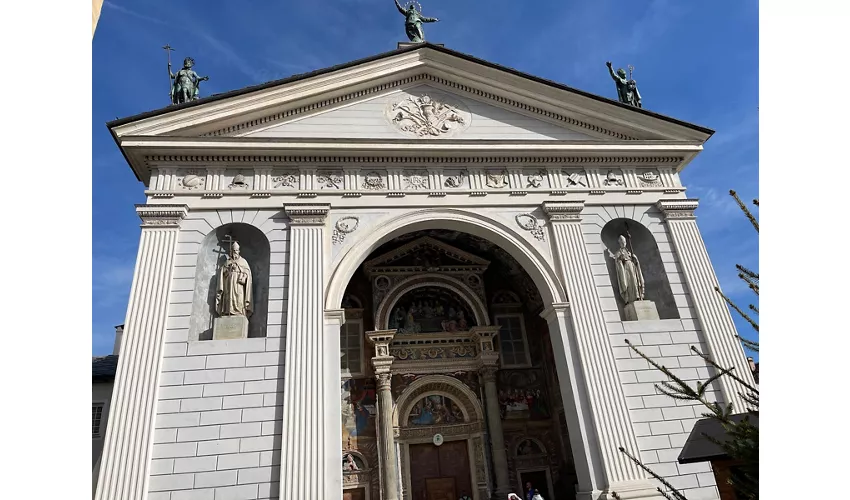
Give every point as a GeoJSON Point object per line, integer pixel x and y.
{"type": "Point", "coordinates": [742, 443]}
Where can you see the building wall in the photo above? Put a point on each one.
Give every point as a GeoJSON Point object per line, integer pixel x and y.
{"type": "Point", "coordinates": [101, 392]}
{"type": "Point", "coordinates": [218, 424]}
{"type": "Point", "coordinates": [366, 120]}
{"type": "Point", "coordinates": [96, 5]}
{"type": "Point", "coordinates": [661, 423]}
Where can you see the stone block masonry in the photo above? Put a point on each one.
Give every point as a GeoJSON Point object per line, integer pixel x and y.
{"type": "Point", "coordinates": [662, 423]}
{"type": "Point", "coordinates": [218, 433]}
{"type": "Point", "coordinates": [218, 421]}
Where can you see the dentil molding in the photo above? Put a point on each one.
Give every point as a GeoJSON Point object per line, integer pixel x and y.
{"type": "Point", "coordinates": [302, 215]}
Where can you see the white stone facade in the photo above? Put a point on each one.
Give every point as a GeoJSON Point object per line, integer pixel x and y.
{"type": "Point", "coordinates": [330, 171]}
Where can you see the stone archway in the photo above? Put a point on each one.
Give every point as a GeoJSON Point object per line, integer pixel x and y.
{"type": "Point", "coordinates": [468, 435]}
{"type": "Point", "coordinates": [539, 267]}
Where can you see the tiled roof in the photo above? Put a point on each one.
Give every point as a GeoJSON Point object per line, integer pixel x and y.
{"type": "Point", "coordinates": [103, 368]}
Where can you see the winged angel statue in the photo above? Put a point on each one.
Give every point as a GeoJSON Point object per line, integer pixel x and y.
{"type": "Point", "coordinates": [424, 116]}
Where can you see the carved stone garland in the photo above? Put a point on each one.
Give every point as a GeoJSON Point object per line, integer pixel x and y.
{"type": "Point", "coordinates": [530, 224]}
{"type": "Point", "coordinates": [344, 226]}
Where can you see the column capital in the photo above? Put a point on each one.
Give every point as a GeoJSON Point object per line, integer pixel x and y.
{"type": "Point", "coordinates": [335, 317]}
{"type": "Point", "coordinates": [307, 214]}
{"type": "Point", "coordinates": [384, 379]}
{"type": "Point", "coordinates": [563, 211]}
{"type": "Point", "coordinates": [483, 336]}
{"type": "Point", "coordinates": [554, 310]}
{"type": "Point", "coordinates": [488, 373]}
{"type": "Point", "coordinates": [161, 215]}
{"type": "Point", "coordinates": [678, 209]}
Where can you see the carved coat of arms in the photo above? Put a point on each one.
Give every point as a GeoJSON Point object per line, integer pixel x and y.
{"type": "Point", "coordinates": [423, 116]}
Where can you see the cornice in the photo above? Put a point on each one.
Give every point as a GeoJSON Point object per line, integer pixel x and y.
{"type": "Point", "coordinates": [184, 159]}
{"type": "Point", "coordinates": [307, 215]}
{"type": "Point", "coordinates": [249, 126]}
{"type": "Point", "coordinates": [678, 209]}
{"type": "Point", "coordinates": [563, 211]}
{"type": "Point", "coordinates": [162, 215]}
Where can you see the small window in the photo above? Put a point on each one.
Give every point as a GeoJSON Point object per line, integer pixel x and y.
{"type": "Point", "coordinates": [351, 345]}
{"type": "Point", "coordinates": [513, 346]}
{"type": "Point", "coordinates": [96, 415]}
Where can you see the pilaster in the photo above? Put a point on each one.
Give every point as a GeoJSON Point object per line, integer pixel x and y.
{"type": "Point", "coordinates": [125, 462]}
{"type": "Point", "coordinates": [715, 320]}
{"type": "Point", "coordinates": [307, 448]}
{"type": "Point", "coordinates": [489, 366]}
{"type": "Point", "coordinates": [597, 389]}
{"type": "Point", "coordinates": [381, 362]}
{"type": "Point", "coordinates": [334, 319]}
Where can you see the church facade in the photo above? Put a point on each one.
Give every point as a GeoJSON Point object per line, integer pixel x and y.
{"type": "Point", "coordinates": [437, 264]}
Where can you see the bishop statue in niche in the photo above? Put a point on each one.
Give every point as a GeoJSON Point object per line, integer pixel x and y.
{"type": "Point", "coordinates": [233, 296]}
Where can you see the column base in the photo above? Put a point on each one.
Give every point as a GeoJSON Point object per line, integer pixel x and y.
{"type": "Point", "coordinates": [629, 490]}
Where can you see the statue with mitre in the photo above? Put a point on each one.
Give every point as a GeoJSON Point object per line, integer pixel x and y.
{"type": "Point", "coordinates": [234, 300]}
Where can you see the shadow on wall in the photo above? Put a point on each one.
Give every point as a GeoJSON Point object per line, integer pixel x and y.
{"type": "Point", "coordinates": [655, 277]}
{"type": "Point", "coordinates": [254, 247]}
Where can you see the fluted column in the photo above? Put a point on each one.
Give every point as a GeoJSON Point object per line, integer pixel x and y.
{"type": "Point", "coordinates": [599, 391]}
{"type": "Point", "coordinates": [127, 445]}
{"type": "Point", "coordinates": [717, 326]}
{"type": "Point", "coordinates": [381, 362]}
{"type": "Point", "coordinates": [334, 319]}
{"type": "Point", "coordinates": [305, 447]}
{"type": "Point", "coordinates": [488, 366]}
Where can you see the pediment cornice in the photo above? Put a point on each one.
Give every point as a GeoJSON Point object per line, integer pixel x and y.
{"type": "Point", "coordinates": [244, 112]}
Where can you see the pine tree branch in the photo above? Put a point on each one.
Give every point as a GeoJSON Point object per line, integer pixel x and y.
{"type": "Point", "coordinates": [676, 493]}
{"type": "Point", "coordinates": [746, 210]}
{"type": "Point", "coordinates": [752, 275]}
{"type": "Point", "coordinates": [737, 309]}
{"type": "Point", "coordinates": [731, 375]}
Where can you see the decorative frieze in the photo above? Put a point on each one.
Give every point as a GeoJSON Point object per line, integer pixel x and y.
{"type": "Point", "coordinates": [432, 180]}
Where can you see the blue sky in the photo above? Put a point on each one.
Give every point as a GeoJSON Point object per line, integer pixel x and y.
{"type": "Point", "coordinates": [693, 61]}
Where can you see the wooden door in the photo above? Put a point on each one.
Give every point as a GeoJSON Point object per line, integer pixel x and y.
{"type": "Point", "coordinates": [354, 494]}
{"type": "Point", "coordinates": [434, 468]}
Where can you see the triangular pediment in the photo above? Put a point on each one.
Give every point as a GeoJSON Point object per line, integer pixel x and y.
{"type": "Point", "coordinates": [421, 112]}
{"type": "Point", "coordinates": [425, 254]}
{"type": "Point", "coordinates": [513, 104]}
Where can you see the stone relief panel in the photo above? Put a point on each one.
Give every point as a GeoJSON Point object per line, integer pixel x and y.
{"type": "Point", "coordinates": [431, 115]}
{"type": "Point", "coordinates": [575, 178]}
{"type": "Point", "coordinates": [614, 178]}
{"type": "Point", "coordinates": [496, 179]}
{"type": "Point", "coordinates": [536, 180]}
{"type": "Point", "coordinates": [288, 180]}
{"type": "Point", "coordinates": [190, 179]}
{"type": "Point", "coordinates": [455, 179]}
{"type": "Point", "coordinates": [374, 180]}
{"type": "Point", "coordinates": [648, 178]}
{"type": "Point", "coordinates": [238, 180]}
{"type": "Point", "coordinates": [329, 179]}
{"type": "Point", "coordinates": [416, 180]}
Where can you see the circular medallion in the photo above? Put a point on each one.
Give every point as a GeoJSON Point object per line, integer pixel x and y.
{"type": "Point", "coordinates": [438, 439]}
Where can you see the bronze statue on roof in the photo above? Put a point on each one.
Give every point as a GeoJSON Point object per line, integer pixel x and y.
{"type": "Point", "coordinates": [413, 20]}
{"type": "Point", "coordinates": [185, 84]}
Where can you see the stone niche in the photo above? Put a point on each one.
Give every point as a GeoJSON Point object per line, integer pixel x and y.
{"type": "Point", "coordinates": [655, 277]}
{"type": "Point", "coordinates": [255, 248]}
